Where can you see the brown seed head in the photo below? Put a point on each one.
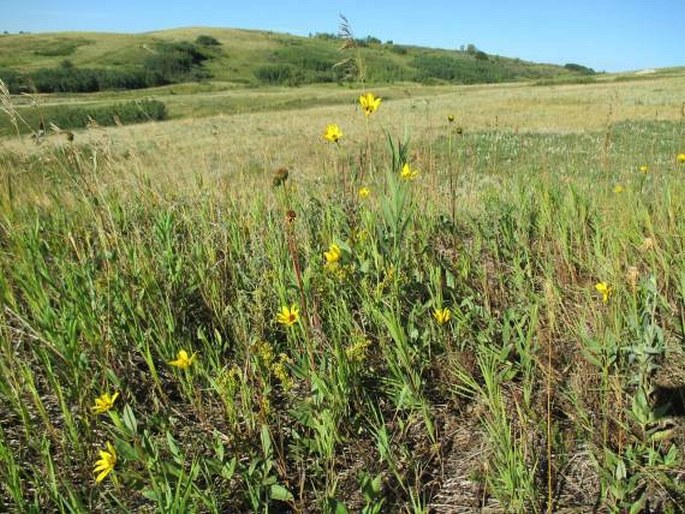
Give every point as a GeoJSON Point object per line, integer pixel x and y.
{"type": "Point", "coordinates": [280, 176]}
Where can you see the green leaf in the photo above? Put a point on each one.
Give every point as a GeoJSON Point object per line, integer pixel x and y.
{"type": "Point", "coordinates": [126, 450]}
{"type": "Point", "coordinates": [173, 447]}
{"type": "Point", "coordinates": [266, 441]}
{"type": "Point", "coordinates": [280, 493]}
{"type": "Point", "coordinates": [336, 507]}
{"type": "Point", "coordinates": [228, 469]}
{"type": "Point", "coordinates": [637, 507]}
{"type": "Point", "coordinates": [130, 419]}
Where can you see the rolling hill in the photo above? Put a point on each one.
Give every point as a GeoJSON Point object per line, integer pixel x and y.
{"type": "Point", "coordinates": [252, 58]}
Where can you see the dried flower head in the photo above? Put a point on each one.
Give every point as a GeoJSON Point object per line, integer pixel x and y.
{"type": "Point", "coordinates": [632, 275]}
{"type": "Point", "coordinates": [280, 176]}
{"type": "Point", "coordinates": [647, 244]}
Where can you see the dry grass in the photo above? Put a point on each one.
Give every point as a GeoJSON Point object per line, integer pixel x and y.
{"type": "Point", "coordinates": [258, 142]}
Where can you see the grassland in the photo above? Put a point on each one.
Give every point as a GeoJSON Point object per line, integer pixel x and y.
{"type": "Point", "coordinates": [240, 53]}
{"type": "Point", "coordinates": [540, 393]}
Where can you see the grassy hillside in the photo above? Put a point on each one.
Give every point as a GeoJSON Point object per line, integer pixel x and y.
{"type": "Point", "coordinates": [248, 57]}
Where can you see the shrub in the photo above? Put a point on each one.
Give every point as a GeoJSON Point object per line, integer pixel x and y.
{"type": "Point", "coordinates": [78, 117]}
{"type": "Point", "coordinates": [284, 74]}
{"type": "Point", "coordinates": [175, 62]}
{"type": "Point", "coordinates": [207, 41]}
{"type": "Point", "coordinates": [579, 68]}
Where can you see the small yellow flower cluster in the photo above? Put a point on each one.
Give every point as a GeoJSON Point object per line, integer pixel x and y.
{"type": "Point", "coordinates": [280, 371]}
{"type": "Point", "coordinates": [681, 158]}
{"type": "Point", "coordinates": [356, 352]}
{"type": "Point", "coordinates": [364, 192]}
{"type": "Point", "coordinates": [389, 276]}
{"type": "Point", "coordinates": [265, 353]}
{"type": "Point", "coordinates": [408, 173]}
{"type": "Point", "coordinates": [644, 168]}
{"type": "Point", "coordinates": [618, 188]}
{"type": "Point", "coordinates": [264, 405]}
{"type": "Point", "coordinates": [228, 378]}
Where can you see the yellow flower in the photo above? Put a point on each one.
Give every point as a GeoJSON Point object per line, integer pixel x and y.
{"type": "Point", "coordinates": [108, 458]}
{"type": "Point", "coordinates": [604, 289]}
{"type": "Point", "coordinates": [104, 403]}
{"type": "Point", "coordinates": [408, 173]}
{"type": "Point", "coordinates": [332, 133]}
{"type": "Point", "coordinates": [364, 192]}
{"type": "Point", "coordinates": [369, 103]}
{"type": "Point", "coordinates": [644, 168]}
{"type": "Point", "coordinates": [182, 360]}
{"type": "Point", "coordinates": [450, 118]}
{"type": "Point", "coordinates": [442, 316]}
{"type": "Point", "coordinates": [618, 188]}
{"type": "Point", "coordinates": [681, 158]}
{"type": "Point", "coordinates": [333, 254]}
{"type": "Point", "coordinates": [288, 316]}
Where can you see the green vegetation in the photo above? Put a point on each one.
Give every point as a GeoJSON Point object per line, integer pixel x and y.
{"type": "Point", "coordinates": [168, 63]}
{"type": "Point", "coordinates": [502, 330]}
{"type": "Point", "coordinates": [68, 117]}
{"type": "Point", "coordinates": [32, 62]}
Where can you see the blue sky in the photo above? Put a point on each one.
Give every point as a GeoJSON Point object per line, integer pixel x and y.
{"type": "Point", "coordinates": [608, 35]}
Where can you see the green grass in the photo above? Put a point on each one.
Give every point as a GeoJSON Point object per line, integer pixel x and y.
{"type": "Point", "coordinates": [243, 52]}
{"type": "Point", "coordinates": [129, 244]}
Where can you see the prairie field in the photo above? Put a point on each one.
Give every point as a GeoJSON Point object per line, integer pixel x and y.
{"type": "Point", "coordinates": [472, 300]}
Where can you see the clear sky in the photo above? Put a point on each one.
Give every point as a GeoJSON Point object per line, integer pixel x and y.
{"type": "Point", "coordinates": [607, 35]}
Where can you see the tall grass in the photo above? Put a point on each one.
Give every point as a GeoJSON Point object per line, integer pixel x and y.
{"type": "Point", "coordinates": [534, 396]}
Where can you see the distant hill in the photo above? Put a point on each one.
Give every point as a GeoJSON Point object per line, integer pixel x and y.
{"type": "Point", "coordinates": [85, 61]}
